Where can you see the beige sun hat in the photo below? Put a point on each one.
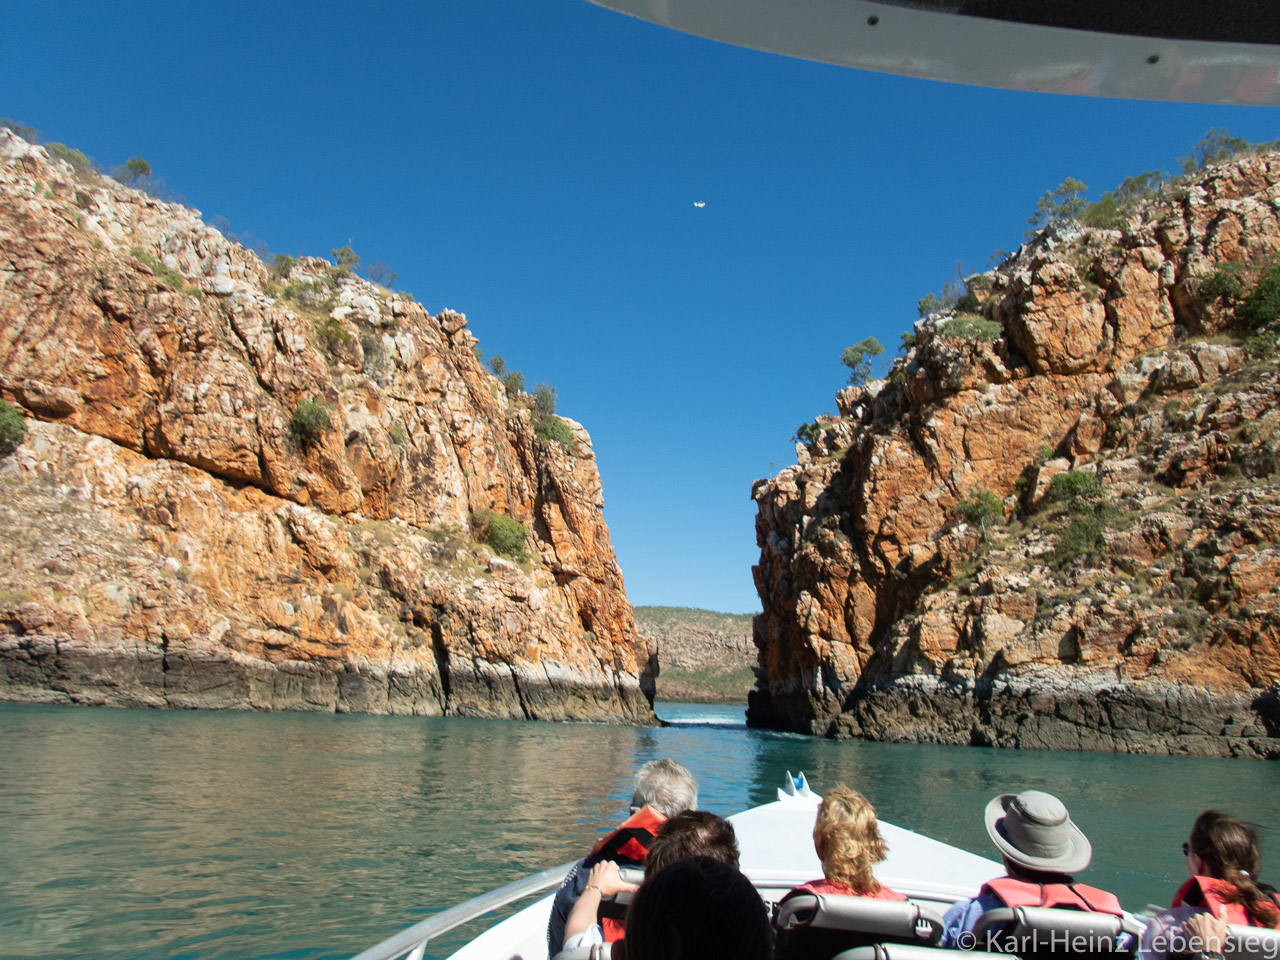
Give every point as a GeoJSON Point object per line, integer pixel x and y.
{"type": "Point", "coordinates": [1034, 830]}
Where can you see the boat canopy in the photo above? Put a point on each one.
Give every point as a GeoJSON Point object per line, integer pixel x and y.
{"type": "Point", "coordinates": [1197, 51]}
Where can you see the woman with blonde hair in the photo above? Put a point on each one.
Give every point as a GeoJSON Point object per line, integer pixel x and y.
{"type": "Point", "coordinates": [847, 841]}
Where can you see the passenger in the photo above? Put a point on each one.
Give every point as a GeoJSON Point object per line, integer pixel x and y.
{"type": "Point", "coordinates": [690, 834]}
{"type": "Point", "coordinates": [700, 908]}
{"type": "Point", "coordinates": [1041, 848]}
{"type": "Point", "coordinates": [663, 788]}
{"type": "Point", "coordinates": [847, 841]}
{"type": "Point", "coordinates": [694, 833]}
{"type": "Point", "coordinates": [1222, 859]}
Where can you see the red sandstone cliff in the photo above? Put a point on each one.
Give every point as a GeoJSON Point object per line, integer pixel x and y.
{"type": "Point", "coordinates": [1144, 618]}
{"type": "Point", "coordinates": [170, 543]}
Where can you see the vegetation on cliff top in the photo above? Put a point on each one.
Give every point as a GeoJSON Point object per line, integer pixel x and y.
{"type": "Point", "coordinates": [1067, 205]}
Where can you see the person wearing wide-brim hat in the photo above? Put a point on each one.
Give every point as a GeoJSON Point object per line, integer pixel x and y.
{"type": "Point", "coordinates": [1041, 848]}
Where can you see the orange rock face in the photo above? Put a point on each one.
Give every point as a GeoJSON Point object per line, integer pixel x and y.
{"type": "Point", "coordinates": [1137, 615]}
{"type": "Point", "coordinates": [175, 541]}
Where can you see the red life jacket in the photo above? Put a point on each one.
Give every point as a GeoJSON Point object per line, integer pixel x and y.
{"type": "Point", "coordinates": [627, 845]}
{"type": "Point", "coordinates": [1013, 892]}
{"type": "Point", "coordinates": [829, 886]}
{"type": "Point", "coordinates": [1208, 892]}
{"type": "Point", "coordinates": [630, 841]}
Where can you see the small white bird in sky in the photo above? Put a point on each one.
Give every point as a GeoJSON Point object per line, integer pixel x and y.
{"type": "Point", "coordinates": [699, 204]}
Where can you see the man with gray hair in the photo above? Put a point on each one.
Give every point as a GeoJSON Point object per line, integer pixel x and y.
{"type": "Point", "coordinates": [663, 789]}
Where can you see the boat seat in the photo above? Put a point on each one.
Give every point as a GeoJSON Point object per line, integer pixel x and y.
{"type": "Point", "coordinates": [1251, 943]}
{"type": "Point", "coordinates": [817, 926]}
{"type": "Point", "coordinates": [1040, 933]}
{"type": "Point", "coordinates": [599, 951]}
{"type": "Point", "coordinates": [909, 951]}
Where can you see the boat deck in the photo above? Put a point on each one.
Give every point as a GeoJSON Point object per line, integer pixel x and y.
{"type": "Point", "coordinates": [776, 843]}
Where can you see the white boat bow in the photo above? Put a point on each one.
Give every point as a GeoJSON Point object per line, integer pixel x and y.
{"type": "Point", "coordinates": [776, 844]}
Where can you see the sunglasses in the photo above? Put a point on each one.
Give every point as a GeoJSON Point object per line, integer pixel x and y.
{"type": "Point", "coordinates": [1186, 849]}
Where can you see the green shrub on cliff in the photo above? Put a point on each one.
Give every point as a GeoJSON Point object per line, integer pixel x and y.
{"type": "Point", "coordinates": [306, 294]}
{"type": "Point", "coordinates": [1087, 515]}
{"type": "Point", "coordinates": [1216, 145]}
{"type": "Point", "coordinates": [1075, 488]}
{"type": "Point", "coordinates": [311, 418]}
{"type": "Point", "coordinates": [1256, 305]}
{"type": "Point", "coordinates": [1081, 537]}
{"type": "Point", "coordinates": [348, 262]}
{"type": "Point", "coordinates": [512, 380]}
{"type": "Point", "coordinates": [1261, 306]}
{"type": "Point", "coordinates": [333, 334]}
{"type": "Point", "coordinates": [970, 326]}
{"type": "Point", "coordinates": [21, 129]}
{"type": "Point", "coordinates": [162, 272]}
{"type": "Point", "coordinates": [546, 425]}
{"type": "Point", "coordinates": [553, 428]}
{"type": "Point", "coordinates": [81, 164]}
{"type": "Point", "coordinates": [980, 507]}
{"type": "Point", "coordinates": [1223, 285]}
{"type": "Point", "coordinates": [858, 358]}
{"type": "Point", "coordinates": [13, 427]}
{"type": "Point", "coordinates": [1111, 211]}
{"type": "Point", "coordinates": [806, 433]}
{"type": "Point", "coordinates": [1059, 206]}
{"type": "Point", "coordinates": [503, 534]}
{"type": "Point", "coordinates": [283, 265]}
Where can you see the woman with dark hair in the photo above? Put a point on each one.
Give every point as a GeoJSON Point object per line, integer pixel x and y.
{"type": "Point", "coordinates": [700, 908]}
{"type": "Point", "coordinates": [1223, 859]}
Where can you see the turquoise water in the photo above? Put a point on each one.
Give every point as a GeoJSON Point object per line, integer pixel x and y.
{"type": "Point", "coordinates": [150, 834]}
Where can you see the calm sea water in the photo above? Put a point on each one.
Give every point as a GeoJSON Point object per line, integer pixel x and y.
{"type": "Point", "coordinates": [148, 834]}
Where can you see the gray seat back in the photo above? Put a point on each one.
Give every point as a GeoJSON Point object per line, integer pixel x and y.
{"type": "Point", "coordinates": [812, 926]}
{"type": "Point", "coordinates": [906, 951]}
{"type": "Point", "coordinates": [1251, 943]}
{"type": "Point", "coordinates": [1039, 933]}
{"type": "Point", "coordinates": [600, 951]}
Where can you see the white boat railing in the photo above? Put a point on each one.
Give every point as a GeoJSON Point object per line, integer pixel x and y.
{"type": "Point", "coordinates": [410, 944]}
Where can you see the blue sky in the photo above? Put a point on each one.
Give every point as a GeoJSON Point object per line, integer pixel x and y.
{"type": "Point", "coordinates": [535, 166]}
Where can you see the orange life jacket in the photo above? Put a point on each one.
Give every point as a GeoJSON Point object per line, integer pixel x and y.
{"type": "Point", "coordinates": [1013, 892]}
{"type": "Point", "coordinates": [628, 845]}
{"type": "Point", "coordinates": [630, 841]}
{"type": "Point", "coordinates": [1209, 892]}
{"type": "Point", "coordinates": [828, 886]}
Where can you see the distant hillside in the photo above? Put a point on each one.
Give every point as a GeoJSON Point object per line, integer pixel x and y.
{"type": "Point", "coordinates": [702, 655]}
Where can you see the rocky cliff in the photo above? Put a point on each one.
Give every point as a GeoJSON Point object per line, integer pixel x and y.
{"type": "Point", "coordinates": [700, 655]}
{"type": "Point", "coordinates": [252, 488]}
{"type": "Point", "coordinates": [925, 579]}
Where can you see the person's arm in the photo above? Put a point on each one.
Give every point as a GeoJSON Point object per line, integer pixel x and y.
{"type": "Point", "coordinates": [605, 880]}
{"type": "Point", "coordinates": [958, 924]}
{"type": "Point", "coordinates": [1206, 933]}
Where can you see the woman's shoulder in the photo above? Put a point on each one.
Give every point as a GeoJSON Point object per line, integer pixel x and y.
{"type": "Point", "coordinates": [825, 886]}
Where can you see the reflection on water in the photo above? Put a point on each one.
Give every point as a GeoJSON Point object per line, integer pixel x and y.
{"type": "Point", "coordinates": [137, 834]}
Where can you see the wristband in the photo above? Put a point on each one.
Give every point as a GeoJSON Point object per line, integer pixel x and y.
{"type": "Point", "coordinates": [592, 886]}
